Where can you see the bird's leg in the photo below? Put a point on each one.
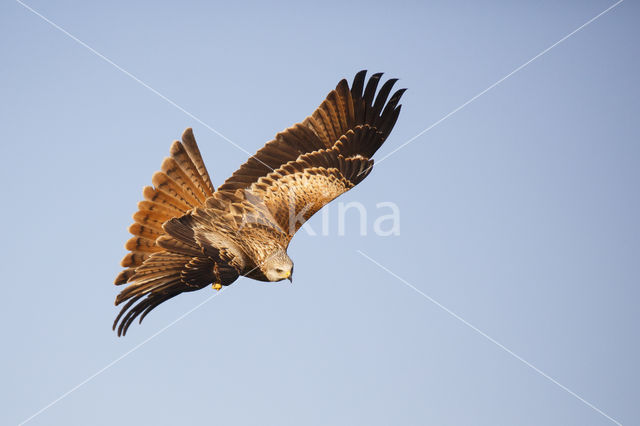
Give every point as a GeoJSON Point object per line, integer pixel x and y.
{"type": "Point", "coordinates": [217, 284]}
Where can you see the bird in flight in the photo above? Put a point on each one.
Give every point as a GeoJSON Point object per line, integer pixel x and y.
{"type": "Point", "coordinates": [187, 235]}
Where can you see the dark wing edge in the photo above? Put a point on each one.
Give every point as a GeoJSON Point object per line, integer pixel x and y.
{"type": "Point", "coordinates": [344, 110]}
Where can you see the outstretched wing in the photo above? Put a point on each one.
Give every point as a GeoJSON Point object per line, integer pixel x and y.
{"type": "Point", "coordinates": [158, 266]}
{"type": "Point", "coordinates": [347, 114]}
{"type": "Point", "coordinates": [328, 153]}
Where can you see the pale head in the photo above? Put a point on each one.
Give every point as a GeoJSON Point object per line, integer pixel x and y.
{"type": "Point", "coordinates": [278, 266]}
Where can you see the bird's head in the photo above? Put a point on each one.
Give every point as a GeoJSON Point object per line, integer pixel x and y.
{"type": "Point", "coordinates": [278, 266]}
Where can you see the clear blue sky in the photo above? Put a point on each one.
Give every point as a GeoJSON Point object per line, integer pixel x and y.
{"type": "Point", "coordinates": [519, 213]}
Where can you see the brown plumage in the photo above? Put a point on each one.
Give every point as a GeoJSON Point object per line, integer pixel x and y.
{"type": "Point", "coordinates": [187, 236]}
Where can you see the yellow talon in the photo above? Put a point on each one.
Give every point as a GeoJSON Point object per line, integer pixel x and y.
{"type": "Point", "coordinates": [217, 286]}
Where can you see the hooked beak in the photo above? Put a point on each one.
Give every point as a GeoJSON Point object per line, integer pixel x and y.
{"type": "Point", "coordinates": [288, 276]}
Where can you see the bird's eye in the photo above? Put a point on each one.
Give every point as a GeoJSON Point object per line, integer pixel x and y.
{"type": "Point", "coordinates": [278, 270]}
